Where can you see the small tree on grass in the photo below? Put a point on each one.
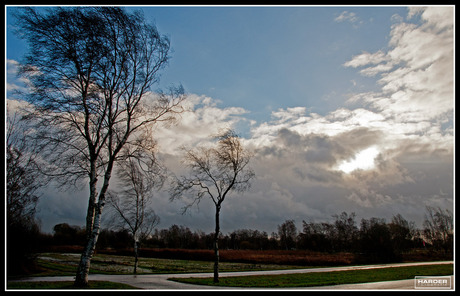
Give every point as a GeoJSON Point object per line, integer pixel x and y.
{"type": "Point", "coordinates": [132, 203]}
{"type": "Point", "coordinates": [214, 173]}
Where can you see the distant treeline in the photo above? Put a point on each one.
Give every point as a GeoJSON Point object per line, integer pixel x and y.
{"type": "Point", "coordinates": [372, 237]}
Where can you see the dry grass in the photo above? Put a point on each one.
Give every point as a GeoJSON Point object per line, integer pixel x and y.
{"type": "Point", "coordinates": [295, 257]}
{"type": "Point", "coordinates": [282, 257]}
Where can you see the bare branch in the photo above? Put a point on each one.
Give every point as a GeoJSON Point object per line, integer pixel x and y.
{"type": "Point", "coordinates": [214, 172]}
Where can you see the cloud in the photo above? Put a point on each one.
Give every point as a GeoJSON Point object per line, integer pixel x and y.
{"type": "Point", "coordinates": [416, 72]}
{"type": "Point", "coordinates": [12, 66]}
{"type": "Point", "coordinates": [396, 18]}
{"type": "Point", "coordinates": [15, 84]}
{"type": "Point", "coordinates": [437, 17]}
{"type": "Point", "coordinates": [366, 58]}
{"type": "Point", "coordinates": [202, 120]}
{"type": "Point", "coordinates": [409, 120]}
{"type": "Point", "coordinates": [350, 17]}
{"type": "Point", "coordinates": [347, 16]}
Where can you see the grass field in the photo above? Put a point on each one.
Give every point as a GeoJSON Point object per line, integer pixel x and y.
{"type": "Point", "coordinates": [316, 279]}
{"type": "Point", "coordinates": [55, 264]}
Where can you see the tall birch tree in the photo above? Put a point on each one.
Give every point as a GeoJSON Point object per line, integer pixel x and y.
{"type": "Point", "coordinates": [91, 70]}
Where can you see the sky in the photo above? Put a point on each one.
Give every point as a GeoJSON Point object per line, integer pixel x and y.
{"type": "Point", "coordinates": [346, 108]}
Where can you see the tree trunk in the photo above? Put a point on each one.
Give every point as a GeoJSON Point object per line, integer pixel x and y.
{"type": "Point", "coordinates": [216, 246]}
{"type": "Point", "coordinates": [136, 250]}
{"type": "Point", "coordinates": [91, 203]}
{"type": "Point", "coordinates": [81, 279]}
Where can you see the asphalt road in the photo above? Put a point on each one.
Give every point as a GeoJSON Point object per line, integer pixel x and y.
{"type": "Point", "coordinates": [161, 282]}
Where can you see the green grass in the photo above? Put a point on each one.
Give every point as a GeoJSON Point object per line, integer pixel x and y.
{"type": "Point", "coordinates": [54, 264]}
{"type": "Point", "coordinates": [67, 285]}
{"type": "Point", "coordinates": [325, 278]}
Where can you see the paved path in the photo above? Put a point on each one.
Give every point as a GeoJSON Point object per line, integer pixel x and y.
{"type": "Point", "coordinates": [161, 282]}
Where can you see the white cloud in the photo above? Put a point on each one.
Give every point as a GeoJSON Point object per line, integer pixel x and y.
{"type": "Point", "coordinates": [351, 17]}
{"type": "Point", "coordinates": [436, 16]}
{"type": "Point", "coordinates": [289, 113]}
{"type": "Point", "coordinates": [13, 87]}
{"type": "Point", "coordinates": [13, 82]}
{"type": "Point", "coordinates": [396, 18]}
{"type": "Point", "coordinates": [416, 73]}
{"type": "Point", "coordinates": [366, 58]}
{"type": "Point", "coordinates": [203, 120]}
{"type": "Point", "coordinates": [347, 16]}
{"type": "Point", "coordinates": [372, 71]}
{"type": "Point", "coordinates": [12, 66]}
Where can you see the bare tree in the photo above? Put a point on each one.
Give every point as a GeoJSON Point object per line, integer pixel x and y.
{"type": "Point", "coordinates": [22, 195]}
{"type": "Point", "coordinates": [23, 178]}
{"type": "Point", "coordinates": [90, 71]}
{"type": "Point", "coordinates": [132, 203]}
{"type": "Point", "coordinates": [288, 234]}
{"type": "Point", "coordinates": [402, 232]}
{"type": "Point", "coordinates": [346, 230]}
{"type": "Point", "coordinates": [439, 227]}
{"type": "Point", "coordinates": [214, 173]}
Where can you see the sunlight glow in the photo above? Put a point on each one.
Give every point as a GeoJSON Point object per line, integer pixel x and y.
{"type": "Point", "coordinates": [364, 160]}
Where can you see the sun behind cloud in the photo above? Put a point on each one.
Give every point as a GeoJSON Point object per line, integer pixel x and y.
{"type": "Point", "coordinates": [363, 160]}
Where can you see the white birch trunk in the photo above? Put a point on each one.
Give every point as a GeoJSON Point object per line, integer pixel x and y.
{"type": "Point", "coordinates": [81, 279]}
